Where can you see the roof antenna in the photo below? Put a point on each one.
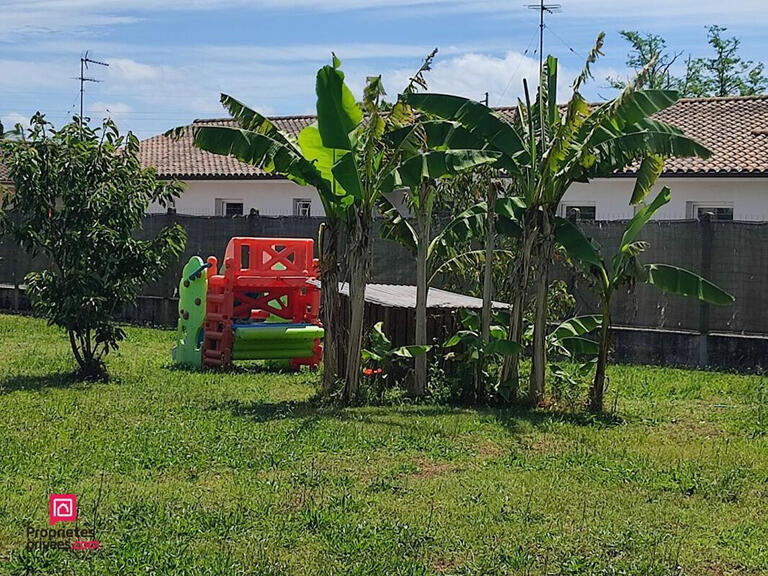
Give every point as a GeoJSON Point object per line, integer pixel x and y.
{"type": "Point", "coordinates": [542, 7]}
{"type": "Point", "coordinates": [84, 61]}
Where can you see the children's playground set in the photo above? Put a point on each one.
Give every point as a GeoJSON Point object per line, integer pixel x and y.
{"type": "Point", "coordinates": [263, 304]}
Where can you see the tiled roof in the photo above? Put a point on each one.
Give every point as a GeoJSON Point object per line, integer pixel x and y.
{"type": "Point", "coordinates": [180, 159]}
{"type": "Point", "coordinates": [734, 128]}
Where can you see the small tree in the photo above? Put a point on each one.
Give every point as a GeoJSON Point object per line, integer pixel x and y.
{"type": "Point", "coordinates": [79, 199]}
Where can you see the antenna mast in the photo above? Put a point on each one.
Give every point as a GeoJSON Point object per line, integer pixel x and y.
{"type": "Point", "coordinates": [542, 7]}
{"type": "Point", "coordinates": [84, 61]}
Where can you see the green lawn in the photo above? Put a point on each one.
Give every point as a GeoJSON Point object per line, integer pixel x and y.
{"type": "Point", "coordinates": [242, 473]}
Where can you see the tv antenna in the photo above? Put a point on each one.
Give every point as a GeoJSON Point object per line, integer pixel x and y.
{"type": "Point", "coordinates": [543, 7]}
{"type": "Point", "coordinates": [84, 61]}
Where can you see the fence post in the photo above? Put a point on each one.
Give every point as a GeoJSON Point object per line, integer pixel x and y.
{"type": "Point", "coordinates": [16, 290]}
{"type": "Point", "coordinates": [705, 228]}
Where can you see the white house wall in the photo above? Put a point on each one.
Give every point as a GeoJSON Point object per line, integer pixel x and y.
{"type": "Point", "coordinates": [271, 197]}
{"type": "Point", "coordinates": [747, 196]}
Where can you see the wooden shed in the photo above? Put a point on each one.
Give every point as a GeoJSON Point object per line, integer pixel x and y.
{"type": "Point", "coordinates": [395, 305]}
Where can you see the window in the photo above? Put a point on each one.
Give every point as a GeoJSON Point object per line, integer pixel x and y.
{"type": "Point", "coordinates": [719, 212]}
{"type": "Point", "coordinates": [233, 209]}
{"type": "Point", "coordinates": [302, 207]}
{"type": "Point", "coordinates": [579, 211]}
{"type": "Point", "coordinates": [226, 207]}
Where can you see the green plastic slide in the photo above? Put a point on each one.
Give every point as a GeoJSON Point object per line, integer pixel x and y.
{"type": "Point", "coordinates": [193, 289]}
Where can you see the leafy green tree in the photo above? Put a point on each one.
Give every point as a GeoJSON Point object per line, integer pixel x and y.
{"type": "Point", "coordinates": [649, 51]}
{"type": "Point", "coordinates": [726, 73]}
{"type": "Point", "coordinates": [257, 141]}
{"type": "Point", "coordinates": [624, 269]}
{"type": "Point", "coordinates": [545, 148]}
{"type": "Point", "coordinates": [79, 198]}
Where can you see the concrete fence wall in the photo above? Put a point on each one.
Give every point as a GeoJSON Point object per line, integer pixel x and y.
{"type": "Point", "coordinates": [732, 254]}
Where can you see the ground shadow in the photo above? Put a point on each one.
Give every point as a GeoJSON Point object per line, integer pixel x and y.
{"type": "Point", "coordinates": [314, 410]}
{"type": "Point", "coordinates": [254, 367]}
{"type": "Point", "coordinates": [41, 382]}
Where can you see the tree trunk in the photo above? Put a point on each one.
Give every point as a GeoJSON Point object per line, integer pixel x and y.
{"type": "Point", "coordinates": [486, 312]}
{"type": "Point", "coordinates": [90, 365]}
{"type": "Point", "coordinates": [490, 237]}
{"type": "Point", "coordinates": [330, 305]}
{"type": "Point", "coordinates": [359, 259]}
{"type": "Point", "coordinates": [597, 389]}
{"type": "Point", "coordinates": [419, 384]}
{"type": "Point", "coordinates": [539, 358]}
{"type": "Point", "coordinates": [521, 271]}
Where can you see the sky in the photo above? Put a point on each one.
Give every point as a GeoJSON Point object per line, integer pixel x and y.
{"type": "Point", "coordinates": [169, 60]}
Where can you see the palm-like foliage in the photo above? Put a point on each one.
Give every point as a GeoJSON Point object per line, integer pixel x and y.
{"type": "Point", "coordinates": [418, 174]}
{"type": "Point", "coordinates": [545, 148]}
{"type": "Point", "coordinates": [625, 268]}
{"type": "Point", "coordinates": [380, 150]}
{"type": "Point", "coordinates": [255, 140]}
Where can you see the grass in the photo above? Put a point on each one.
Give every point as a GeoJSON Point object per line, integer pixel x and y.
{"type": "Point", "coordinates": [243, 473]}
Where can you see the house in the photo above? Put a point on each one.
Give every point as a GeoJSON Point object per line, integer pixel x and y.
{"type": "Point", "coordinates": [223, 186]}
{"type": "Point", "coordinates": [731, 185]}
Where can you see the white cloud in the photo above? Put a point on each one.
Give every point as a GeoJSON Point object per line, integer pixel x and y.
{"type": "Point", "coordinates": [42, 16]}
{"type": "Point", "coordinates": [117, 111]}
{"type": "Point", "coordinates": [469, 75]}
{"type": "Point", "coordinates": [132, 71]}
{"type": "Point", "coordinates": [9, 121]}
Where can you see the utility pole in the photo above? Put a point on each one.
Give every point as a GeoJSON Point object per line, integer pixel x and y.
{"type": "Point", "coordinates": [84, 61]}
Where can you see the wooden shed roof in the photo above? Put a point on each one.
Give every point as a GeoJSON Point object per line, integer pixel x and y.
{"type": "Point", "coordinates": [404, 296]}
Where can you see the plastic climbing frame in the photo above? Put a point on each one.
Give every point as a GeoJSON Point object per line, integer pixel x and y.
{"type": "Point", "coordinates": [263, 304]}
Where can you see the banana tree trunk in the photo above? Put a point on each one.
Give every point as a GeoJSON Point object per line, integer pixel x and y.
{"type": "Point", "coordinates": [359, 265]}
{"type": "Point", "coordinates": [539, 358]}
{"type": "Point", "coordinates": [510, 373]}
{"type": "Point", "coordinates": [488, 271]}
{"type": "Point", "coordinates": [419, 384]}
{"type": "Point", "coordinates": [330, 304]}
{"type": "Point", "coordinates": [597, 390]}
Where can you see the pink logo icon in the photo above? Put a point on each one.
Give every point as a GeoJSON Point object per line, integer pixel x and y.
{"type": "Point", "coordinates": [62, 508]}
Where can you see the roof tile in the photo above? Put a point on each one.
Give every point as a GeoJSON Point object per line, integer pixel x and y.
{"type": "Point", "coordinates": [734, 128]}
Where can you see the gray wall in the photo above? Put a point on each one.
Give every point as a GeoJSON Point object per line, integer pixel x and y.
{"type": "Point", "coordinates": [732, 254]}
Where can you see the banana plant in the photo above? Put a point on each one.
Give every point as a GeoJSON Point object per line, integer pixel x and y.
{"type": "Point", "coordinates": [626, 269]}
{"type": "Point", "coordinates": [380, 149]}
{"type": "Point", "coordinates": [382, 355]}
{"type": "Point", "coordinates": [255, 140]}
{"type": "Point", "coordinates": [545, 148]}
{"type": "Point", "coordinates": [570, 342]}
{"type": "Point", "coordinates": [478, 352]}
{"type": "Point", "coordinates": [418, 175]}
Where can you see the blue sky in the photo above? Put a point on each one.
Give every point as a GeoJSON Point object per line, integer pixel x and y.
{"type": "Point", "coordinates": [169, 59]}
